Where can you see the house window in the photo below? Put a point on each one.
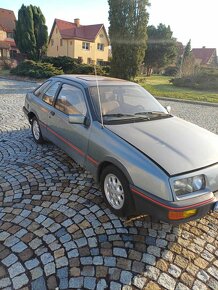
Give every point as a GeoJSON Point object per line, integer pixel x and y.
{"type": "Point", "coordinates": [13, 53]}
{"type": "Point", "coordinates": [101, 35]}
{"type": "Point", "coordinates": [100, 61]}
{"type": "Point", "coordinates": [86, 45]}
{"type": "Point", "coordinates": [10, 35]}
{"type": "Point", "coordinates": [80, 59]}
{"type": "Point", "coordinates": [56, 30]}
{"type": "Point", "coordinates": [57, 47]}
{"type": "Point", "coordinates": [52, 42]}
{"type": "Point", "coordinates": [61, 42]}
{"type": "Point", "coordinates": [71, 42]}
{"type": "Point", "coordinates": [100, 46]}
{"type": "Point", "coordinates": [89, 60]}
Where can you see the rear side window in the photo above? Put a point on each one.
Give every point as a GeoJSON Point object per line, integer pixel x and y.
{"type": "Point", "coordinates": [49, 95]}
{"type": "Point", "coordinates": [40, 90]}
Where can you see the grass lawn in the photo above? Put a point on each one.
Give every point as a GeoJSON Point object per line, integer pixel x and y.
{"type": "Point", "coordinates": [4, 72]}
{"type": "Point", "coordinates": [159, 86]}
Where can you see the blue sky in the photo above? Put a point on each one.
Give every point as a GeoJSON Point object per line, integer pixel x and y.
{"type": "Point", "coordinates": [189, 19]}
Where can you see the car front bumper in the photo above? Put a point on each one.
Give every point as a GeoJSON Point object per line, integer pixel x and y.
{"type": "Point", "coordinates": [163, 210]}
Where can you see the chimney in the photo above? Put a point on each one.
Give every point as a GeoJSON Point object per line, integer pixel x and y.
{"type": "Point", "coordinates": [77, 22]}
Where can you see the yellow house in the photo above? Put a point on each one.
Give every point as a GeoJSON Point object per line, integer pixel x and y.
{"type": "Point", "coordinates": [89, 43]}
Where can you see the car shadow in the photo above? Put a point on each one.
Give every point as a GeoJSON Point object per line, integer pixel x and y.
{"type": "Point", "coordinates": [62, 207]}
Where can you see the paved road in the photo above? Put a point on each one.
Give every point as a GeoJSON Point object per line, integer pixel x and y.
{"type": "Point", "coordinates": [55, 230]}
{"type": "Point", "coordinates": [202, 115]}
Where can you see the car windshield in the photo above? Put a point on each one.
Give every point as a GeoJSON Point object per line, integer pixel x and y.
{"type": "Point", "coordinates": [125, 102]}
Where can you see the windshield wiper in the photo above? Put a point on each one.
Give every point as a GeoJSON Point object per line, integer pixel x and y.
{"type": "Point", "coordinates": [119, 115]}
{"type": "Point", "coordinates": [151, 113]}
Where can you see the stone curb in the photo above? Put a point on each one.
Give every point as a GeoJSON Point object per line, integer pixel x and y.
{"type": "Point", "coordinates": [188, 101]}
{"type": "Point", "coordinates": [20, 80]}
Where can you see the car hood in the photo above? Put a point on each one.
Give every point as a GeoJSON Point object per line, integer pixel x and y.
{"type": "Point", "coordinates": [176, 145]}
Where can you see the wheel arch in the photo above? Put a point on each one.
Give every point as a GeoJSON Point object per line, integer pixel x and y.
{"type": "Point", "coordinates": [31, 115]}
{"type": "Point", "coordinates": [130, 208]}
{"type": "Point", "coordinates": [117, 164]}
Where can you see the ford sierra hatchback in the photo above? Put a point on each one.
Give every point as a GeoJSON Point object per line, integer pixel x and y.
{"type": "Point", "coordinates": [146, 160]}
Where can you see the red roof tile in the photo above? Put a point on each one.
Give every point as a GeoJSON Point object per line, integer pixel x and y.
{"type": "Point", "coordinates": [71, 30]}
{"type": "Point", "coordinates": [204, 54]}
{"type": "Point", "coordinates": [7, 20]}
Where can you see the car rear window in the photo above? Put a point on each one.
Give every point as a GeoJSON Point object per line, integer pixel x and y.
{"type": "Point", "coordinates": [40, 90]}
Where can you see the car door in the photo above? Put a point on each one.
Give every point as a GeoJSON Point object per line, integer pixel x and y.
{"type": "Point", "coordinates": [72, 138]}
{"type": "Point", "coordinates": [45, 103]}
{"type": "Point", "coordinates": [35, 104]}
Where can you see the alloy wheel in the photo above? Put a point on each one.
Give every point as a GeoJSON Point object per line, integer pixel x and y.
{"type": "Point", "coordinates": [114, 191]}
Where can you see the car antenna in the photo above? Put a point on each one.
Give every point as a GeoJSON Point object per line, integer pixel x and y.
{"type": "Point", "coordinates": [99, 98]}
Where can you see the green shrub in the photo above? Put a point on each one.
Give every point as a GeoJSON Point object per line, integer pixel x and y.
{"type": "Point", "coordinates": [87, 69]}
{"type": "Point", "coordinates": [106, 70]}
{"type": "Point", "coordinates": [170, 71]}
{"type": "Point", "coordinates": [38, 70]}
{"type": "Point", "coordinates": [7, 64]}
{"type": "Point", "coordinates": [74, 66]}
{"type": "Point", "coordinates": [67, 64]}
{"type": "Point", "coordinates": [205, 79]}
{"type": "Point", "coordinates": [51, 66]}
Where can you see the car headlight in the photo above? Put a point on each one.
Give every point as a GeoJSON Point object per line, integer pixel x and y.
{"type": "Point", "coordinates": [189, 185]}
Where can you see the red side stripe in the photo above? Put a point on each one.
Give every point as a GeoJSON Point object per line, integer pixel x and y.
{"type": "Point", "coordinates": [170, 207]}
{"type": "Point", "coordinates": [43, 125]}
{"type": "Point", "coordinates": [69, 144]}
{"type": "Point", "coordinates": [92, 160]}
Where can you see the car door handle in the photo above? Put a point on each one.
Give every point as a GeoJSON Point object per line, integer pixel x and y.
{"type": "Point", "coordinates": [52, 113]}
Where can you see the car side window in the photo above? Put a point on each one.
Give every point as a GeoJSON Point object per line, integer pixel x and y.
{"type": "Point", "coordinates": [71, 101]}
{"type": "Point", "coordinates": [49, 95]}
{"type": "Point", "coordinates": [40, 90]}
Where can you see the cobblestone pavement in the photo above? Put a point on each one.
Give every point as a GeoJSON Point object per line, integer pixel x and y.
{"type": "Point", "coordinates": [55, 230]}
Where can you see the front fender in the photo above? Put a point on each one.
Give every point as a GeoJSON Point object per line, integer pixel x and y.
{"type": "Point", "coordinates": [107, 148]}
{"type": "Point", "coordinates": [111, 160]}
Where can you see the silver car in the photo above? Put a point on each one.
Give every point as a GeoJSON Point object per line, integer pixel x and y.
{"type": "Point", "coordinates": [145, 159]}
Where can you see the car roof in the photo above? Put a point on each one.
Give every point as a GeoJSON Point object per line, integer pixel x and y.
{"type": "Point", "coordinates": [90, 80]}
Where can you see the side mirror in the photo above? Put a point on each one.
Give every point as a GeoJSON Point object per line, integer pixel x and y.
{"type": "Point", "coordinates": [168, 108]}
{"type": "Point", "coordinates": [76, 119]}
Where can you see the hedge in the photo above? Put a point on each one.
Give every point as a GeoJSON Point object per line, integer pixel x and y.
{"type": "Point", "coordinates": [51, 66]}
{"type": "Point", "coordinates": [38, 70]}
{"type": "Point", "coordinates": [67, 64]}
{"type": "Point", "coordinates": [206, 79]}
{"type": "Point", "coordinates": [74, 66]}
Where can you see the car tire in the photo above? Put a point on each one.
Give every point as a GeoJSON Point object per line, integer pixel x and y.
{"type": "Point", "coordinates": [36, 131]}
{"type": "Point", "coordinates": [116, 191]}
